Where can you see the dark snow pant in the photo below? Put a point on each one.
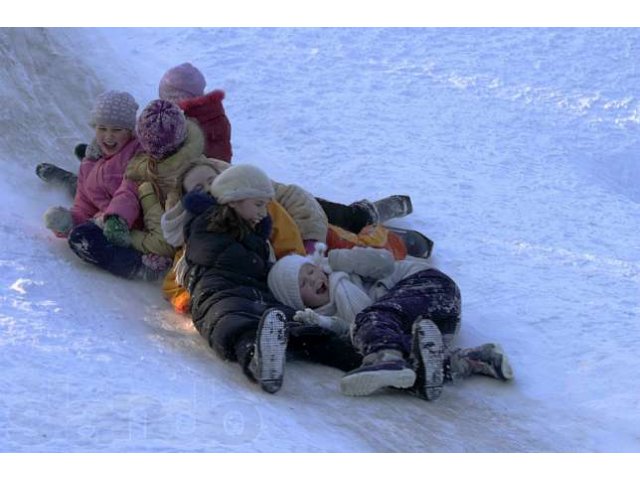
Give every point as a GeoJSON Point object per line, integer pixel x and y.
{"type": "Point", "coordinates": [321, 346]}
{"type": "Point", "coordinates": [350, 217]}
{"type": "Point", "coordinates": [325, 348]}
{"type": "Point", "coordinates": [387, 323]}
{"type": "Point", "coordinates": [89, 243]}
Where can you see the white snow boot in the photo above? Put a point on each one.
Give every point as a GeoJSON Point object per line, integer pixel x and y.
{"type": "Point", "coordinates": [384, 368]}
{"type": "Point", "coordinates": [488, 359]}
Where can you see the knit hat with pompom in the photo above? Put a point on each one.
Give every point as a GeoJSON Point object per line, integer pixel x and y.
{"type": "Point", "coordinates": [161, 128]}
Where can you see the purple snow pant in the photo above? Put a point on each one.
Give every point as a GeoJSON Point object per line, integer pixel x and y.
{"type": "Point", "coordinates": [89, 243]}
{"type": "Point", "coordinates": [387, 323]}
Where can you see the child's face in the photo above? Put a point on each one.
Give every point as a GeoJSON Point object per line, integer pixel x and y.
{"type": "Point", "coordinates": [314, 286]}
{"type": "Point", "coordinates": [111, 139]}
{"type": "Point", "coordinates": [253, 210]}
{"type": "Point", "coordinates": [199, 177]}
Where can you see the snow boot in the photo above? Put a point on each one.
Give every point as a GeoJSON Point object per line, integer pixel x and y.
{"type": "Point", "coordinates": [487, 359]}
{"type": "Point", "coordinates": [427, 351]}
{"type": "Point", "coordinates": [384, 368]}
{"type": "Point", "coordinates": [55, 175]}
{"type": "Point", "coordinates": [395, 206]}
{"type": "Point", "coordinates": [80, 151]}
{"type": "Point", "coordinates": [267, 364]}
{"type": "Point", "coordinates": [417, 244]}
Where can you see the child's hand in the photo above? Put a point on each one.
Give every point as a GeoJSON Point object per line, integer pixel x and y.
{"type": "Point", "coordinates": [59, 221]}
{"type": "Point", "coordinates": [309, 317]}
{"type": "Point", "coordinates": [116, 231]}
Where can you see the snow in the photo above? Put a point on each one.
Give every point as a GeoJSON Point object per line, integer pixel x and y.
{"type": "Point", "coordinates": [519, 149]}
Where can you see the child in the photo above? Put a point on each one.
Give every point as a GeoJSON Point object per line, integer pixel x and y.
{"type": "Point", "coordinates": [397, 313]}
{"type": "Point", "coordinates": [228, 257]}
{"type": "Point", "coordinates": [285, 235]}
{"type": "Point", "coordinates": [106, 206]}
{"type": "Point", "coordinates": [184, 85]}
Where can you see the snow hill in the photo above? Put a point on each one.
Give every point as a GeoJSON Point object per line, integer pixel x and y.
{"type": "Point", "coordinates": [519, 148]}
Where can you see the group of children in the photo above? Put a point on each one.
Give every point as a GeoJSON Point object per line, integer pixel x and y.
{"type": "Point", "coordinates": [256, 263]}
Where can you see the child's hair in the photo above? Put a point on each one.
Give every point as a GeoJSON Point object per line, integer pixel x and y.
{"type": "Point", "coordinates": [114, 109]}
{"type": "Point", "coordinates": [236, 183]}
{"type": "Point", "coordinates": [181, 82]}
{"type": "Point", "coordinates": [283, 280]}
{"type": "Point", "coordinates": [240, 182]}
{"type": "Point", "coordinates": [225, 219]}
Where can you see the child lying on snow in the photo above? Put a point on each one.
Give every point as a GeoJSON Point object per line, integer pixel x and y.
{"type": "Point", "coordinates": [402, 317]}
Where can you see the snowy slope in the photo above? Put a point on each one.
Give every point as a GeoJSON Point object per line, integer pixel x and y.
{"type": "Point", "coordinates": [519, 149]}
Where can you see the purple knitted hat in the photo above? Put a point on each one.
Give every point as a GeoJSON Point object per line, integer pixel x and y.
{"type": "Point", "coordinates": [114, 109]}
{"type": "Point", "coordinates": [181, 82]}
{"type": "Point", "coordinates": [161, 128]}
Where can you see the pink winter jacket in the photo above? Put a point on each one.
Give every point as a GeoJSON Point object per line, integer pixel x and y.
{"type": "Point", "coordinates": [103, 190]}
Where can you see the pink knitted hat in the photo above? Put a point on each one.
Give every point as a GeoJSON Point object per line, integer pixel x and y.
{"type": "Point", "coordinates": [181, 82]}
{"type": "Point", "coordinates": [114, 109]}
{"type": "Point", "coordinates": [161, 128]}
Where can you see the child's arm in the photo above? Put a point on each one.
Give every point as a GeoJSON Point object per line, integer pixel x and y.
{"type": "Point", "coordinates": [364, 261]}
{"type": "Point", "coordinates": [335, 324]}
{"type": "Point", "coordinates": [151, 240]}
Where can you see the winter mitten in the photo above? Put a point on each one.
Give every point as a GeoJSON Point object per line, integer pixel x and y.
{"type": "Point", "coordinates": [263, 228]}
{"type": "Point", "coordinates": [59, 221]}
{"type": "Point", "coordinates": [157, 262]}
{"type": "Point", "coordinates": [116, 231]}
{"type": "Point", "coordinates": [335, 324]}
{"type": "Point", "coordinates": [365, 261]}
{"type": "Point", "coordinates": [197, 201]}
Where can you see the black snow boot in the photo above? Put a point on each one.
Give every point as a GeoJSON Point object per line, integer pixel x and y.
{"type": "Point", "coordinates": [394, 206]}
{"type": "Point", "coordinates": [58, 176]}
{"type": "Point", "coordinates": [80, 151]}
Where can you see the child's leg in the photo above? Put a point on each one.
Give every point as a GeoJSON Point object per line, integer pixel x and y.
{"type": "Point", "coordinates": [387, 323]}
{"type": "Point", "coordinates": [262, 353]}
{"type": "Point", "coordinates": [326, 349]}
{"type": "Point", "coordinates": [89, 243]}
{"type": "Point", "coordinates": [57, 176]}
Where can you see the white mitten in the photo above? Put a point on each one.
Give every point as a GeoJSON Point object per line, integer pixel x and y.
{"type": "Point", "coordinates": [58, 220]}
{"type": "Point", "coordinates": [365, 261]}
{"type": "Point", "coordinates": [309, 317]}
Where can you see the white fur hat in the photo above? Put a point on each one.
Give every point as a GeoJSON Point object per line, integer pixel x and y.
{"type": "Point", "coordinates": [283, 280]}
{"type": "Point", "coordinates": [240, 182]}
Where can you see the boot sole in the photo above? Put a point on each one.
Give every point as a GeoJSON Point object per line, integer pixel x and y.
{"type": "Point", "coordinates": [271, 348]}
{"type": "Point", "coordinates": [365, 383]}
{"type": "Point", "coordinates": [429, 352]}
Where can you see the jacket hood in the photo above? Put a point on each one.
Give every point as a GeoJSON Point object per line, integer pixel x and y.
{"type": "Point", "coordinates": [204, 108]}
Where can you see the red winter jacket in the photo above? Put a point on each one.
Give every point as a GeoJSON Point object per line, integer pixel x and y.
{"type": "Point", "coordinates": [208, 112]}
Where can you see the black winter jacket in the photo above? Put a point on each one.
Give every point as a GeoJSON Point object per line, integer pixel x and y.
{"type": "Point", "coordinates": [227, 280]}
